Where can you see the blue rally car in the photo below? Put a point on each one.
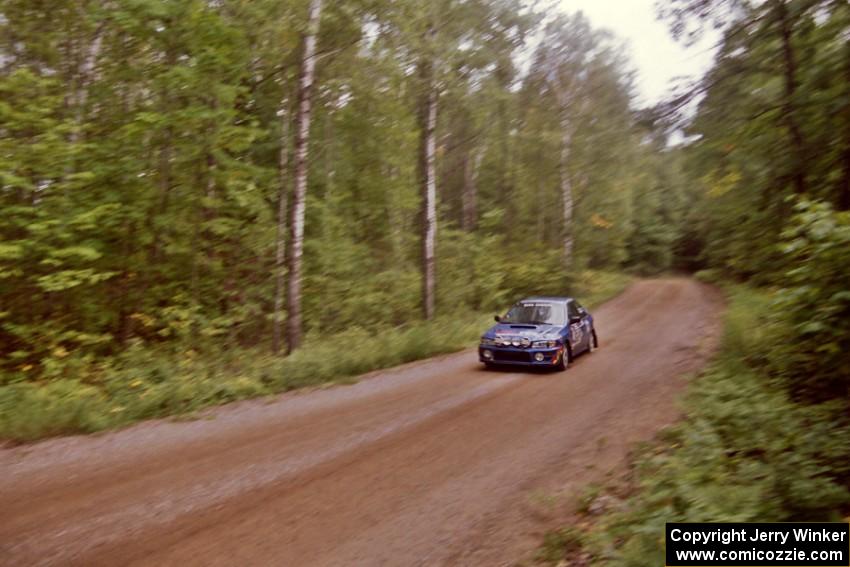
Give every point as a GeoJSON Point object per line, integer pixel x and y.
{"type": "Point", "coordinates": [539, 331]}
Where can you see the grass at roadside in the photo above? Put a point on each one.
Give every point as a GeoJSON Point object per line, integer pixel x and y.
{"type": "Point", "coordinates": [146, 382]}
{"type": "Point", "coordinates": [746, 451]}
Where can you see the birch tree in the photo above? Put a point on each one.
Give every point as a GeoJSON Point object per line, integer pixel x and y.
{"type": "Point", "coordinates": [299, 193]}
{"type": "Point", "coordinates": [563, 58]}
{"type": "Point", "coordinates": [280, 232]}
{"type": "Point", "coordinates": [451, 38]}
{"type": "Point", "coordinates": [428, 181]}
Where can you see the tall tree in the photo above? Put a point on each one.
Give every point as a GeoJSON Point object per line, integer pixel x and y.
{"type": "Point", "coordinates": [563, 59]}
{"type": "Point", "coordinates": [428, 177]}
{"type": "Point", "coordinates": [299, 193]}
{"type": "Point", "coordinates": [280, 232]}
{"type": "Point", "coordinates": [785, 24]}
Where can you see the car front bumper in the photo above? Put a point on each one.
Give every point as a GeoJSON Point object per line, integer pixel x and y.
{"type": "Point", "coordinates": [519, 356]}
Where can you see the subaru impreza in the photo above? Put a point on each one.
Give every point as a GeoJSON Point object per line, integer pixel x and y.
{"type": "Point", "coordinates": [539, 331]}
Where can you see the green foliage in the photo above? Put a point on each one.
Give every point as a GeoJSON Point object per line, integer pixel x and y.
{"type": "Point", "coordinates": [815, 303]}
{"type": "Point", "coordinates": [773, 123]}
{"type": "Point", "coordinates": [709, 275]}
{"type": "Point", "coordinates": [746, 451]}
{"type": "Point", "coordinates": [557, 544]}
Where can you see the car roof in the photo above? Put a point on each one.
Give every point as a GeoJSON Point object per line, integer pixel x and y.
{"type": "Point", "coordinates": [547, 298]}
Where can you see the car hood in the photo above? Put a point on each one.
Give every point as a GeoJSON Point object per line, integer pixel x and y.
{"type": "Point", "coordinates": [521, 330]}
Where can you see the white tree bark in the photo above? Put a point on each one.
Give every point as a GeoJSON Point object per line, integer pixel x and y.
{"type": "Point", "coordinates": [86, 76]}
{"type": "Point", "coordinates": [302, 138]}
{"type": "Point", "coordinates": [566, 191]}
{"type": "Point", "coordinates": [280, 236]}
{"type": "Point", "coordinates": [567, 98]}
{"type": "Point", "coordinates": [429, 199]}
{"type": "Point", "coordinates": [80, 96]}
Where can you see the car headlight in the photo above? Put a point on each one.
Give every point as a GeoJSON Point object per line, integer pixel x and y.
{"type": "Point", "coordinates": [544, 344]}
{"type": "Point", "coordinates": [487, 342]}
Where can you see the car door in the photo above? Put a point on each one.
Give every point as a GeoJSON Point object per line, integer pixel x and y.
{"type": "Point", "coordinates": [578, 328]}
{"type": "Point", "coordinates": [587, 322]}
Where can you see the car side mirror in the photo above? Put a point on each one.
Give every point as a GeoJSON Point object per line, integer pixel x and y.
{"type": "Point", "coordinates": [575, 319]}
{"type": "Point", "coordinates": [497, 319]}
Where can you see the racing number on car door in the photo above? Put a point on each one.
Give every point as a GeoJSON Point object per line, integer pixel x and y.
{"type": "Point", "coordinates": [576, 329]}
{"type": "Point", "coordinates": [576, 334]}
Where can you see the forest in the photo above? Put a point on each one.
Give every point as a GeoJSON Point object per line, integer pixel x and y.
{"type": "Point", "coordinates": [186, 179]}
{"type": "Point", "coordinates": [255, 172]}
{"type": "Point", "coordinates": [201, 199]}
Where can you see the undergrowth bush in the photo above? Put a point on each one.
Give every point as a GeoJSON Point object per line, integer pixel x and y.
{"type": "Point", "coordinates": [143, 383]}
{"type": "Point", "coordinates": [709, 276]}
{"type": "Point", "coordinates": [815, 304]}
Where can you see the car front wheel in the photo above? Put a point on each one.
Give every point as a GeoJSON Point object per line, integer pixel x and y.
{"type": "Point", "coordinates": [563, 360]}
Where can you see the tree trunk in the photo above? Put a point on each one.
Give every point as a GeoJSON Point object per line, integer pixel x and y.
{"type": "Point", "coordinates": [843, 200]}
{"type": "Point", "coordinates": [280, 237]}
{"type": "Point", "coordinates": [202, 251]}
{"type": "Point", "coordinates": [789, 107]}
{"type": "Point", "coordinates": [161, 208]}
{"type": "Point", "coordinates": [428, 117]}
{"type": "Point", "coordinates": [85, 76]}
{"type": "Point", "coordinates": [469, 196]}
{"type": "Point", "coordinates": [299, 194]}
{"type": "Point", "coordinates": [541, 213]}
{"type": "Point", "coordinates": [566, 193]}
{"type": "Point", "coordinates": [844, 187]}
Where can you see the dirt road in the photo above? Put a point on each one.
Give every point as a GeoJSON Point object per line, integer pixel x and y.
{"type": "Point", "coordinates": [432, 463]}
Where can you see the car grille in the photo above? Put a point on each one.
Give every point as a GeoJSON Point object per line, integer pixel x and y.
{"type": "Point", "coordinates": [511, 356]}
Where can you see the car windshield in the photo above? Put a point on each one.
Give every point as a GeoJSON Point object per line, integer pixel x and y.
{"type": "Point", "coordinates": [535, 313]}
